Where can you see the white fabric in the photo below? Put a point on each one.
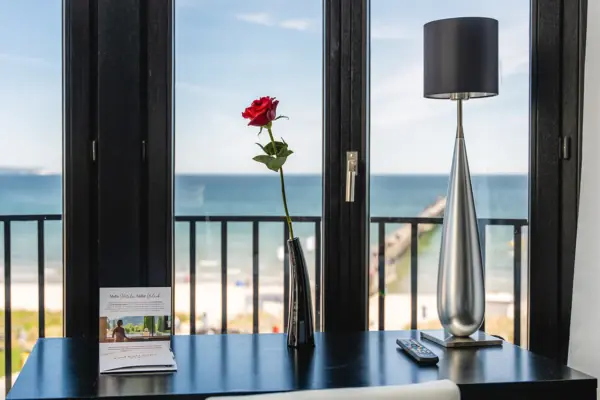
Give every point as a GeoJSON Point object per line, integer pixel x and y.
{"type": "Point", "coordinates": [436, 390]}
{"type": "Point", "coordinates": [584, 349]}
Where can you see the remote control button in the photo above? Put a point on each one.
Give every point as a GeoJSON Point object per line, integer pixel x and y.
{"type": "Point", "coordinates": [418, 352]}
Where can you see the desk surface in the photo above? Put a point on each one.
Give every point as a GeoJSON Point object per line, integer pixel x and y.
{"type": "Point", "coordinates": [227, 364]}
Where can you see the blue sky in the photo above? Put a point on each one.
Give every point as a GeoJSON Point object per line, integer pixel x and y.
{"type": "Point", "coordinates": [230, 51]}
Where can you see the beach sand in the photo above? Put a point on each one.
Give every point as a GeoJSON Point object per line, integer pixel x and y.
{"type": "Point", "coordinates": [24, 296]}
{"type": "Point", "coordinates": [239, 302]}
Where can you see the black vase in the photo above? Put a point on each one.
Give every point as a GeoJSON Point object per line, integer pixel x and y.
{"type": "Point", "coordinates": [300, 329]}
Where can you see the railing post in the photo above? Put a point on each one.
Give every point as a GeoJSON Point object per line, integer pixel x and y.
{"type": "Point", "coordinates": [255, 268]}
{"type": "Point", "coordinates": [414, 270]}
{"type": "Point", "coordinates": [41, 280]}
{"type": "Point", "coordinates": [286, 277]}
{"type": "Point", "coordinates": [7, 309]}
{"type": "Point", "coordinates": [318, 276]}
{"type": "Point", "coordinates": [223, 277]}
{"type": "Point", "coordinates": [381, 274]}
{"type": "Point", "coordinates": [482, 238]}
{"type": "Point", "coordinates": [517, 285]}
{"type": "Point", "coordinates": [192, 277]}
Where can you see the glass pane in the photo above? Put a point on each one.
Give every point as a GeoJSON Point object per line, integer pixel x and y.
{"type": "Point", "coordinates": [412, 141]}
{"type": "Point", "coordinates": [30, 168]}
{"type": "Point", "coordinates": [265, 48]}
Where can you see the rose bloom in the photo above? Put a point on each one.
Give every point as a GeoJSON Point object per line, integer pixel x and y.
{"type": "Point", "coordinates": [261, 111]}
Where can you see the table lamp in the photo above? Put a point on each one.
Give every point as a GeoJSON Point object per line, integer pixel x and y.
{"type": "Point", "coordinates": [460, 63]}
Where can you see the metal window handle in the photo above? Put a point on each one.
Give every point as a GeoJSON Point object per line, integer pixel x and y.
{"type": "Point", "coordinates": [351, 172]}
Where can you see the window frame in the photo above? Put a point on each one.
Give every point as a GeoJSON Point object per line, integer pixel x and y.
{"type": "Point", "coordinates": [118, 164]}
{"type": "Point", "coordinates": [557, 62]}
{"type": "Point", "coordinates": [557, 54]}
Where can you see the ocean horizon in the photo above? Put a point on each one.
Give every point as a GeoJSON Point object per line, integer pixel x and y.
{"type": "Point", "coordinates": [391, 195]}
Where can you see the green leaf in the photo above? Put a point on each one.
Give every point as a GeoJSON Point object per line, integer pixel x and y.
{"type": "Point", "coordinates": [285, 153]}
{"type": "Point", "coordinates": [281, 116]}
{"type": "Point", "coordinates": [276, 149]}
{"type": "Point", "coordinates": [273, 163]}
{"type": "Point", "coordinates": [262, 147]}
{"type": "Point", "coordinates": [276, 163]}
{"type": "Point", "coordinates": [263, 159]}
{"type": "Point", "coordinates": [260, 131]}
{"type": "Point", "coordinates": [276, 155]}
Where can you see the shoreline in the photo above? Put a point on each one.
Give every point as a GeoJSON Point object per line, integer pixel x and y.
{"type": "Point", "coordinates": [239, 302]}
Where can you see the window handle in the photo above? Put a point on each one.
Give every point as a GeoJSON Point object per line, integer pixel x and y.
{"type": "Point", "coordinates": [351, 172]}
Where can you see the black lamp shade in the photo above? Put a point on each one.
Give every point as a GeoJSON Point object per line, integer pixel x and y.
{"type": "Point", "coordinates": [461, 58]}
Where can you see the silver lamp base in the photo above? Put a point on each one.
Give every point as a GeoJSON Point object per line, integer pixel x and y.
{"type": "Point", "coordinates": [445, 339]}
{"type": "Point", "coordinates": [460, 289]}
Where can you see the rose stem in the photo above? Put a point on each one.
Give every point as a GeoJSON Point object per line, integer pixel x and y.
{"type": "Point", "coordinates": [287, 213]}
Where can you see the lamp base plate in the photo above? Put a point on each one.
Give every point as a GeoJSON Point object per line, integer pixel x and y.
{"type": "Point", "coordinates": [445, 339]}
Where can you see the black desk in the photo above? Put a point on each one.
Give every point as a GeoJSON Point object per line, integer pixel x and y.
{"type": "Point", "coordinates": [228, 364]}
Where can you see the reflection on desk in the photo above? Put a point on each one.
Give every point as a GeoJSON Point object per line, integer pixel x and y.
{"type": "Point", "coordinates": [227, 364]}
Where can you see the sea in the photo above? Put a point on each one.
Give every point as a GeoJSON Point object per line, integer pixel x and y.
{"type": "Point", "coordinates": [496, 196]}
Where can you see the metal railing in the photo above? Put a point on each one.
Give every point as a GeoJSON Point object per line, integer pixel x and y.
{"type": "Point", "coordinates": [7, 221]}
{"type": "Point", "coordinates": [192, 221]}
{"type": "Point", "coordinates": [516, 224]}
{"type": "Point", "coordinates": [414, 222]}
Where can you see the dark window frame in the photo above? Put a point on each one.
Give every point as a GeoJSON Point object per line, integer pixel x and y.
{"type": "Point", "coordinates": [557, 60]}
{"type": "Point", "coordinates": [556, 92]}
{"type": "Point", "coordinates": [118, 164]}
{"type": "Point", "coordinates": [79, 194]}
{"type": "Point", "coordinates": [345, 128]}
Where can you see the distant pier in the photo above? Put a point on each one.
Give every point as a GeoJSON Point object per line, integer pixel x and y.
{"type": "Point", "coordinates": [397, 244]}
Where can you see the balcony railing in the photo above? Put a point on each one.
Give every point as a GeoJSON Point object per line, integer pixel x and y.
{"type": "Point", "coordinates": [192, 221]}
{"type": "Point", "coordinates": [7, 221]}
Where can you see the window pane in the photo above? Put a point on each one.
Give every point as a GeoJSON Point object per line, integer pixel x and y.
{"type": "Point", "coordinates": [30, 166]}
{"type": "Point", "coordinates": [264, 48]}
{"type": "Point", "coordinates": [412, 140]}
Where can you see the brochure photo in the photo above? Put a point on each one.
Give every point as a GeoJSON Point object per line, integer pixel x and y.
{"type": "Point", "coordinates": [135, 330]}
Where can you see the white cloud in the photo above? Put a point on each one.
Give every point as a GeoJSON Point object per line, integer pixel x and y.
{"type": "Point", "coordinates": [411, 134]}
{"type": "Point", "coordinates": [297, 24]}
{"type": "Point", "coordinates": [397, 98]}
{"type": "Point", "coordinates": [265, 19]}
{"type": "Point", "coordinates": [256, 18]}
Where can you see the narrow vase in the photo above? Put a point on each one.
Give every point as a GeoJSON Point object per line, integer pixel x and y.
{"type": "Point", "coordinates": [300, 329]}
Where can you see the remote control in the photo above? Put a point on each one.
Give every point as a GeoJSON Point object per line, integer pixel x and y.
{"type": "Point", "coordinates": [420, 353]}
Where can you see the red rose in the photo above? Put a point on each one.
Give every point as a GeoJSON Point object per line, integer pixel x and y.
{"type": "Point", "coordinates": [261, 111]}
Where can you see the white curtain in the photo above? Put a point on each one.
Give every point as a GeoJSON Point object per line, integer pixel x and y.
{"type": "Point", "coordinates": [584, 346]}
